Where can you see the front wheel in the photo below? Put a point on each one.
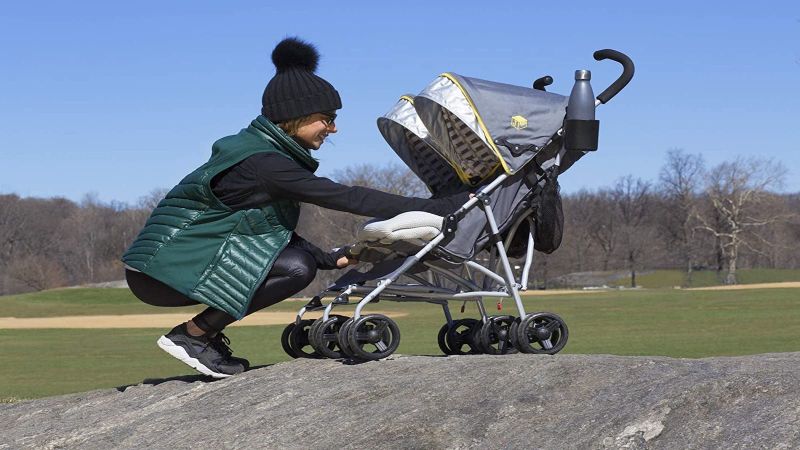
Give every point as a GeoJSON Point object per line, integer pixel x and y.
{"type": "Point", "coordinates": [285, 340]}
{"type": "Point", "coordinates": [541, 333]}
{"type": "Point", "coordinates": [373, 337]}
{"type": "Point", "coordinates": [325, 336]}
{"type": "Point", "coordinates": [460, 339]}
{"type": "Point", "coordinates": [298, 340]}
{"type": "Point", "coordinates": [495, 335]}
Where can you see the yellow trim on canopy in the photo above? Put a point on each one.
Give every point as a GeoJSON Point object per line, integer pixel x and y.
{"type": "Point", "coordinates": [407, 98]}
{"type": "Point", "coordinates": [482, 125]}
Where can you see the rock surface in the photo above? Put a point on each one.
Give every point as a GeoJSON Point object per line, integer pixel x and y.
{"type": "Point", "coordinates": [513, 401]}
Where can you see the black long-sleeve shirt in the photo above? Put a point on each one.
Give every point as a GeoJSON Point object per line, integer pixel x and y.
{"type": "Point", "coordinates": [263, 177]}
{"type": "Point", "coordinates": [267, 176]}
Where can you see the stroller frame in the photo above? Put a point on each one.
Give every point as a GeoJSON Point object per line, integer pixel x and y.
{"type": "Point", "coordinates": [530, 333]}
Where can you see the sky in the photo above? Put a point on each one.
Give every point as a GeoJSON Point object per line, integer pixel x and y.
{"type": "Point", "coordinates": [117, 99]}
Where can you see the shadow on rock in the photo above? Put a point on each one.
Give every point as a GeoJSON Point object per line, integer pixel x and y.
{"type": "Point", "coordinates": [188, 379]}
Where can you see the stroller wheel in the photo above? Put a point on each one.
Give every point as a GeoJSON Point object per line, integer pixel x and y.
{"type": "Point", "coordinates": [312, 332]}
{"type": "Point", "coordinates": [540, 333]}
{"type": "Point", "coordinates": [285, 340]}
{"type": "Point", "coordinates": [460, 338]}
{"type": "Point", "coordinates": [440, 339]}
{"type": "Point", "coordinates": [495, 336]}
{"type": "Point", "coordinates": [373, 337]}
{"type": "Point", "coordinates": [341, 339]}
{"type": "Point", "coordinates": [325, 334]}
{"type": "Point", "coordinates": [298, 340]}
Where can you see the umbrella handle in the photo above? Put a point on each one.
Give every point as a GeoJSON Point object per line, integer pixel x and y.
{"type": "Point", "coordinates": [623, 80]}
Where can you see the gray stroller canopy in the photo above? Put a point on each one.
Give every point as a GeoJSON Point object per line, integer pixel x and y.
{"type": "Point", "coordinates": [480, 126]}
{"type": "Point", "coordinates": [408, 137]}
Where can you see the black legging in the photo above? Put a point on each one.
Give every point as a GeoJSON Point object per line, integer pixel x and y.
{"type": "Point", "coordinates": [294, 269]}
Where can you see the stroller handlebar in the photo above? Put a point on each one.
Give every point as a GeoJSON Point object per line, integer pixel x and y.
{"type": "Point", "coordinates": [623, 80]}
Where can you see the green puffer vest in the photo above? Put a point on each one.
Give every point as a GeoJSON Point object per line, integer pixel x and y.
{"type": "Point", "coordinates": [198, 246]}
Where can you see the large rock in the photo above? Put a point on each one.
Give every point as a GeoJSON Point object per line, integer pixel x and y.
{"type": "Point", "coordinates": [515, 401]}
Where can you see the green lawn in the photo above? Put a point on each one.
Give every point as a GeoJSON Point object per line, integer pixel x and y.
{"type": "Point", "coordinates": [668, 322]}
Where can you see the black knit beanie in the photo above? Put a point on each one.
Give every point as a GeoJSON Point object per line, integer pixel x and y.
{"type": "Point", "coordinates": [295, 91]}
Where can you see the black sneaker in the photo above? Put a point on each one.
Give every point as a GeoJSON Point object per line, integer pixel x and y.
{"type": "Point", "coordinates": [199, 352]}
{"type": "Point", "coordinates": [222, 344]}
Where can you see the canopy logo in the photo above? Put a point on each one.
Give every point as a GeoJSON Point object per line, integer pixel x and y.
{"type": "Point", "coordinates": [519, 122]}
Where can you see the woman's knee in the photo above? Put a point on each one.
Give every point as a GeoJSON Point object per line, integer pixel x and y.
{"type": "Point", "coordinates": [304, 271]}
{"type": "Point", "coordinates": [291, 273]}
{"type": "Point", "coordinates": [305, 274]}
{"type": "Point", "coordinates": [297, 265]}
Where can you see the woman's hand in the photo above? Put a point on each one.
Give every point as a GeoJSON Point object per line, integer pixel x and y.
{"type": "Point", "coordinates": [344, 261]}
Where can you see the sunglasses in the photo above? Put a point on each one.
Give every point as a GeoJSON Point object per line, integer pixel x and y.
{"type": "Point", "coordinates": [329, 120]}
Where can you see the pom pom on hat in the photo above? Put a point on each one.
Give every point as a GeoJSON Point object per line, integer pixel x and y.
{"type": "Point", "coordinates": [294, 53]}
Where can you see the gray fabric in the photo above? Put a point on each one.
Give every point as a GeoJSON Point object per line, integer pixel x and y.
{"type": "Point", "coordinates": [472, 234]}
{"type": "Point", "coordinates": [518, 115]}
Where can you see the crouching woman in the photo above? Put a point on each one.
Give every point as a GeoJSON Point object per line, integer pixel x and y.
{"type": "Point", "coordinates": [223, 237]}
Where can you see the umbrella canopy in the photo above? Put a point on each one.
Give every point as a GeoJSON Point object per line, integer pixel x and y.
{"type": "Point", "coordinates": [484, 126]}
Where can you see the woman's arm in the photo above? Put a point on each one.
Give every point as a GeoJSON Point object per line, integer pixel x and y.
{"type": "Point", "coordinates": [283, 178]}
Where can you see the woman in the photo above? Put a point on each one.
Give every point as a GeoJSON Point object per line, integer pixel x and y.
{"type": "Point", "coordinates": [223, 236]}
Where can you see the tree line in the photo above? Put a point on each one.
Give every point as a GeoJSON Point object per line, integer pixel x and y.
{"type": "Point", "coordinates": [723, 218]}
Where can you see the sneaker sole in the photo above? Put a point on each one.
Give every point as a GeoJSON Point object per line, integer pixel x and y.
{"type": "Point", "coordinates": [179, 353]}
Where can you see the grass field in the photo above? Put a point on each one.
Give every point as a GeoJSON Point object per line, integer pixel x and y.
{"type": "Point", "coordinates": [667, 322]}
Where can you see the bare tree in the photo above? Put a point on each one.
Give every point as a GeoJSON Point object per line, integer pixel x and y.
{"type": "Point", "coordinates": [577, 236]}
{"type": "Point", "coordinates": [12, 224]}
{"type": "Point", "coordinates": [38, 272]}
{"type": "Point", "coordinates": [602, 225]}
{"type": "Point", "coordinates": [680, 180]}
{"type": "Point", "coordinates": [737, 193]}
{"type": "Point", "coordinates": [631, 199]}
{"type": "Point", "coordinates": [150, 201]}
{"type": "Point", "coordinates": [392, 178]}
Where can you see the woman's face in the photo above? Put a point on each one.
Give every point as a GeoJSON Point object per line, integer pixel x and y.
{"type": "Point", "coordinates": [313, 133]}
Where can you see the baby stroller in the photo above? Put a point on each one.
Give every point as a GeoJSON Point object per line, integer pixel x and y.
{"type": "Point", "coordinates": [508, 145]}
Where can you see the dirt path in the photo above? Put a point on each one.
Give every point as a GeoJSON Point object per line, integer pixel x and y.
{"type": "Point", "coordinates": [151, 320]}
{"type": "Point", "coordinates": [783, 285]}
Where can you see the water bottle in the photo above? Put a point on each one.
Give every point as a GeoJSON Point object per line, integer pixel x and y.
{"type": "Point", "coordinates": [581, 129]}
{"type": "Point", "coordinates": [581, 99]}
